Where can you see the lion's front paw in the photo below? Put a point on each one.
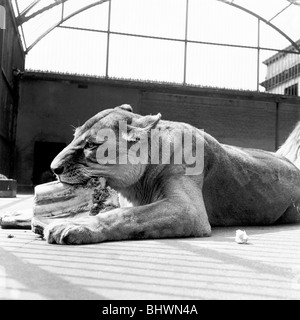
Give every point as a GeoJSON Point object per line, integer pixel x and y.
{"type": "Point", "coordinates": [68, 233]}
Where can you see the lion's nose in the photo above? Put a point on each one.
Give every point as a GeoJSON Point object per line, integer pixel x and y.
{"type": "Point", "coordinates": [58, 170]}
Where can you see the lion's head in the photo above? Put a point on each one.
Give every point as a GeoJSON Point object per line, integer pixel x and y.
{"type": "Point", "coordinates": [100, 139]}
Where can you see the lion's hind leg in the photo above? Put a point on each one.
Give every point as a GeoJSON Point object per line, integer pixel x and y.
{"type": "Point", "coordinates": [291, 215]}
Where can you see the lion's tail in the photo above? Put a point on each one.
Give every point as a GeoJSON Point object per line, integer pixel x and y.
{"type": "Point", "coordinates": [291, 148]}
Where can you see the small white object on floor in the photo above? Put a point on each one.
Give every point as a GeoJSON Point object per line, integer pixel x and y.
{"type": "Point", "coordinates": [241, 237]}
{"type": "Point", "coordinates": [16, 218]}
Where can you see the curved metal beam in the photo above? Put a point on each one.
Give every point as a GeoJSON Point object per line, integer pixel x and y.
{"type": "Point", "coordinates": [26, 10]}
{"type": "Point", "coordinates": [62, 21]}
{"type": "Point", "coordinates": [22, 17]}
{"type": "Point", "coordinates": [295, 2]}
{"type": "Point", "coordinates": [294, 44]}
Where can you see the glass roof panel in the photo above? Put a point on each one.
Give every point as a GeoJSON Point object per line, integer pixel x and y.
{"type": "Point", "coordinates": [141, 60]}
{"type": "Point", "coordinates": [149, 17]}
{"type": "Point", "coordinates": [241, 30]}
{"type": "Point", "coordinates": [88, 58]}
{"type": "Point", "coordinates": [219, 74]}
{"type": "Point", "coordinates": [269, 38]}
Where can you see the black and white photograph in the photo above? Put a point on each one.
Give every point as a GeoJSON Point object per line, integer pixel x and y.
{"type": "Point", "coordinates": [149, 153]}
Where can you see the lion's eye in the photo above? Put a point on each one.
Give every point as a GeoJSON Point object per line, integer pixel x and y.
{"type": "Point", "coordinates": [90, 145]}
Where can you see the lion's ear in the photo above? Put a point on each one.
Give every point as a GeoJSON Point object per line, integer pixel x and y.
{"type": "Point", "coordinates": [140, 127]}
{"type": "Point", "coordinates": [146, 122]}
{"type": "Point", "coordinates": [125, 107]}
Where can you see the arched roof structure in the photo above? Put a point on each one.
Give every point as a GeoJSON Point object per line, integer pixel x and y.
{"type": "Point", "coordinates": [37, 20]}
{"type": "Point", "coordinates": [27, 10]}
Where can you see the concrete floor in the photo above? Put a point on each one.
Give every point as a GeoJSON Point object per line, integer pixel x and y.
{"type": "Point", "coordinates": [208, 268]}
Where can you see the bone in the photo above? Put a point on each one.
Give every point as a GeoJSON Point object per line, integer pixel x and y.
{"type": "Point", "coordinates": [56, 201]}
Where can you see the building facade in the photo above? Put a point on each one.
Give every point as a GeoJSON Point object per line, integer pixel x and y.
{"type": "Point", "coordinates": [283, 73]}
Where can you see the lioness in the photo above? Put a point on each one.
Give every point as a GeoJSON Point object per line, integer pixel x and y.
{"type": "Point", "coordinates": [236, 187]}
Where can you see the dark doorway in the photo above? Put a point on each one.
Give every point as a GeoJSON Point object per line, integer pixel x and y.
{"type": "Point", "coordinates": [44, 153]}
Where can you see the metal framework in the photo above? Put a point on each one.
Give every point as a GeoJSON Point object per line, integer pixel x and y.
{"type": "Point", "coordinates": [25, 16]}
{"type": "Point", "coordinates": [63, 19]}
{"type": "Point", "coordinates": [260, 18]}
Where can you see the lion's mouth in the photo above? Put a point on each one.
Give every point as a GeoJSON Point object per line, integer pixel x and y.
{"type": "Point", "coordinates": [73, 179]}
{"type": "Point", "coordinates": [77, 178]}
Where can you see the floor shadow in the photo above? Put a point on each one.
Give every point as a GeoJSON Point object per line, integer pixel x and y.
{"type": "Point", "coordinates": [41, 282]}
